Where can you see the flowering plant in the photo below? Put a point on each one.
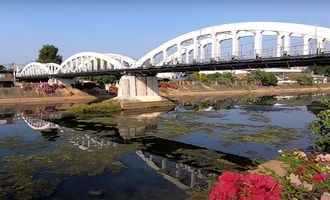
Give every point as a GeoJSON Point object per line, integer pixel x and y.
{"type": "Point", "coordinates": [307, 176]}
{"type": "Point", "coordinates": [235, 186]}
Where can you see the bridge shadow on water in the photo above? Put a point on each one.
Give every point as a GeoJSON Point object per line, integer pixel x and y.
{"type": "Point", "coordinates": [185, 165]}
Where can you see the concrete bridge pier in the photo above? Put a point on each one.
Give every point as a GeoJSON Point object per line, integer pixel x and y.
{"type": "Point", "coordinates": [139, 88]}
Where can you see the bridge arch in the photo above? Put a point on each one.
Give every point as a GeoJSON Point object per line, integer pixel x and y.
{"type": "Point", "coordinates": [37, 69]}
{"type": "Point", "coordinates": [92, 61]}
{"type": "Point", "coordinates": [211, 37]}
{"type": "Point", "coordinates": [38, 124]}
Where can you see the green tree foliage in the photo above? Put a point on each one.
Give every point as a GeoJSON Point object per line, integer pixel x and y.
{"type": "Point", "coordinates": [321, 70]}
{"type": "Point", "coordinates": [49, 54]}
{"type": "Point", "coordinates": [265, 78]}
{"type": "Point", "coordinates": [220, 78]}
{"type": "Point", "coordinates": [224, 78]}
{"type": "Point", "coordinates": [106, 79]}
{"type": "Point", "coordinates": [2, 68]}
{"type": "Point", "coordinates": [304, 80]}
{"type": "Point", "coordinates": [321, 128]}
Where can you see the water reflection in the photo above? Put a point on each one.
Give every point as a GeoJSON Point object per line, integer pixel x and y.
{"type": "Point", "coordinates": [184, 165]}
{"type": "Point", "coordinates": [167, 152]}
{"type": "Point", "coordinates": [181, 175]}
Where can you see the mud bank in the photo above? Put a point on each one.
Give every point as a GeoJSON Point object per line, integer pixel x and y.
{"type": "Point", "coordinates": [264, 91]}
{"type": "Point", "coordinates": [18, 95]}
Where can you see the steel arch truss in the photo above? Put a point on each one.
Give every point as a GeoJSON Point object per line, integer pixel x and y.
{"type": "Point", "coordinates": [200, 46]}
{"type": "Point", "coordinates": [192, 46]}
{"type": "Point", "coordinates": [38, 69]}
{"type": "Point", "coordinates": [92, 62]}
{"type": "Point", "coordinates": [80, 62]}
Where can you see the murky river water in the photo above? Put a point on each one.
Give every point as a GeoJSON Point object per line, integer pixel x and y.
{"type": "Point", "coordinates": [151, 155]}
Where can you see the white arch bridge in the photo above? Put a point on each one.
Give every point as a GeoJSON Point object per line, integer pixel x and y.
{"type": "Point", "coordinates": [229, 46]}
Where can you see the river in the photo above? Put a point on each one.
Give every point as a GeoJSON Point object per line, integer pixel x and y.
{"type": "Point", "coordinates": [158, 154]}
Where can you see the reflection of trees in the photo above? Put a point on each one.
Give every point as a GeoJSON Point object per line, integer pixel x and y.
{"type": "Point", "coordinates": [7, 118]}
{"type": "Point", "coordinates": [219, 103]}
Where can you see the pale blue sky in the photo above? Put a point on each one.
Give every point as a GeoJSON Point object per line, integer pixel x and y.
{"type": "Point", "coordinates": [131, 27]}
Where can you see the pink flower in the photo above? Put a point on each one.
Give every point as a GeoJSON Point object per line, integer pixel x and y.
{"type": "Point", "coordinates": [323, 158]}
{"type": "Point", "coordinates": [235, 186]}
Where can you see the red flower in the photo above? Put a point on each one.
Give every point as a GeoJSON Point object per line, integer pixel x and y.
{"type": "Point", "coordinates": [235, 186]}
{"type": "Point", "coordinates": [321, 177]}
{"type": "Point", "coordinates": [226, 188]}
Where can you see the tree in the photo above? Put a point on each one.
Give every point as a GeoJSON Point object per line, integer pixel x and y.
{"type": "Point", "coordinates": [304, 80]}
{"type": "Point", "coordinates": [49, 54]}
{"type": "Point", "coordinates": [266, 78]}
{"type": "Point", "coordinates": [2, 68]}
{"type": "Point", "coordinates": [321, 70]}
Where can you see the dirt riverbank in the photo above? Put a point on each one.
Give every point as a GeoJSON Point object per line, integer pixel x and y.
{"type": "Point", "coordinates": [262, 91]}
{"type": "Point", "coordinates": [46, 100]}
{"type": "Point", "coordinates": [20, 96]}
{"type": "Point", "coordinates": [173, 94]}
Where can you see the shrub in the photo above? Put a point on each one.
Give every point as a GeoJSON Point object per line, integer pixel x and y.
{"type": "Point", "coordinates": [196, 76]}
{"type": "Point", "coordinates": [307, 175]}
{"type": "Point", "coordinates": [237, 186]}
{"type": "Point", "coordinates": [265, 78]}
{"type": "Point", "coordinates": [321, 128]}
{"type": "Point", "coordinates": [304, 80]}
{"type": "Point", "coordinates": [321, 70]}
{"type": "Point", "coordinates": [220, 78]}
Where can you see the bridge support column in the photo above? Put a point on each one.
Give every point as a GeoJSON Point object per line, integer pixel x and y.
{"type": "Point", "coordinates": [139, 88]}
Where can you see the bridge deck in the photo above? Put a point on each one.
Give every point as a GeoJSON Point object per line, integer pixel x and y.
{"type": "Point", "coordinates": [273, 62]}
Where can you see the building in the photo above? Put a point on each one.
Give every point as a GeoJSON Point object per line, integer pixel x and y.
{"type": "Point", "coordinates": [7, 78]}
{"type": "Point", "coordinates": [319, 79]}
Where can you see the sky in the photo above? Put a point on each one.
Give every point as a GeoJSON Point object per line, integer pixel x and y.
{"type": "Point", "coordinates": [131, 27]}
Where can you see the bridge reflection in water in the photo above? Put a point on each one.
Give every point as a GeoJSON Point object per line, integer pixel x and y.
{"type": "Point", "coordinates": [173, 160]}
{"type": "Point", "coordinates": [182, 175]}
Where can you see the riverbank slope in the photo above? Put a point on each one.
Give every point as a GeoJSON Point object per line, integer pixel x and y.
{"type": "Point", "coordinates": [65, 95]}
{"type": "Point", "coordinates": [191, 91]}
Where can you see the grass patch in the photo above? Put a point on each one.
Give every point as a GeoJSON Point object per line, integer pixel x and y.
{"type": "Point", "coordinates": [274, 136]}
{"type": "Point", "coordinates": [174, 127]}
{"type": "Point", "coordinates": [105, 107]}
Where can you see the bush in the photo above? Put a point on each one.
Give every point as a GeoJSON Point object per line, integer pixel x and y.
{"type": "Point", "coordinates": [265, 78]}
{"type": "Point", "coordinates": [220, 78]}
{"type": "Point", "coordinates": [304, 80]}
{"type": "Point", "coordinates": [321, 128]}
{"type": "Point", "coordinates": [321, 70]}
{"type": "Point", "coordinates": [224, 78]}
{"type": "Point", "coordinates": [307, 175]}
